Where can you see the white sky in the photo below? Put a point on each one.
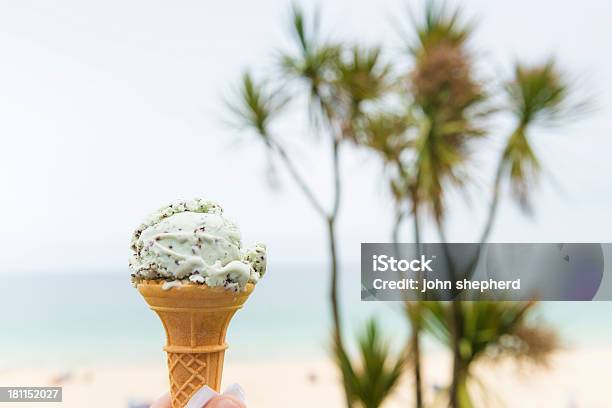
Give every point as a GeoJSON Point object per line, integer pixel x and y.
{"type": "Point", "coordinates": [111, 109]}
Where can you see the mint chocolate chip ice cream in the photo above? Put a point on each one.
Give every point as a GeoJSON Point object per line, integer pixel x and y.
{"type": "Point", "coordinates": [192, 242]}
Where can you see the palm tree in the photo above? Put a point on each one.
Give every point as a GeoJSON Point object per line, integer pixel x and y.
{"type": "Point", "coordinates": [389, 135]}
{"type": "Point", "coordinates": [452, 104]}
{"type": "Point", "coordinates": [490, 331]}
{"type": "Point", "coordinates": [425, 143]}
{"type": "Point", "coordinates": [449, 99]}
{"type": "Point", "coordinates": [337, 80]}
{"type": "Point", "coordinates": [313, 66]}
{"type": "Point", "coordinates": [538, 96]}
{"type": "Point", "coordinates": [370, 381]}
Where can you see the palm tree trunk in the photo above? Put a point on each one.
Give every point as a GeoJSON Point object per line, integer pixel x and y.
{"type": "Point", "coordinates": [331, 228]}
{"type": "Point", "coordinates": [463, 395]}
{"type": "Point", "coordinates": [334, 298]}
{"type": "Point", "coordinates": [333, 252]}
{"type": "Point", "coordinates": [399, 217]}
{"type": "Point", "coordinates": [413, 313]}
{"type": "Point", "coordinates": [415, 322]}
{"type": "Point", "coordinates": [330, 220]}
{"type": "Point", "coordinates": [459, 368]}
{"type": "Point", "coordinates": [459, 396]}
{"type": "Point", "coordinates": [417, 227]}
{"type": "Point", "coordinates": [497, 184]}
{"type": "Point", "coordinates": [458, 379]}
{"type": "Point", "coordinates": [494, 202]}
{"type": "Point", "coordinates": [299, 180]}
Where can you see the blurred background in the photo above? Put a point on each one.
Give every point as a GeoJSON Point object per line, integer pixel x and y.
{"type": "Point", "coordinates": [110, 110]}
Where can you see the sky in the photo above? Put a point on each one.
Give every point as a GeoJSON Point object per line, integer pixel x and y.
{"type": "Point", "coordinates": [111, 109]}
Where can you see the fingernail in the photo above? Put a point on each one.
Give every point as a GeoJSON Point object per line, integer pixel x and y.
{"type": "Point", "coordinates": [201, 397]}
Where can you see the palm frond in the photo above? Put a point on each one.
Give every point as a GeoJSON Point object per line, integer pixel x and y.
{"type": "Point", "coordinates": [442, 157]}
{"type": "Point", "coordinates": [452, 102]}
{"type": "Point", "coordinates": [443, 82]}
{"type": "Point", "coordinates": [299, 29]}
{"type": "Point", "coordinates": [439, 25]}
{"type": "Point", "coordinates": [363, 75]}
{"type": "Point", "coordinates": [387, 134]}
{"type": "Point", "coordinates": [371, 379]}
{"type": "Point", "coordinates": [311, 63]}
{"type": "Point", "coordinates": [493, 330]}
{"type": "Point", "coordinates": [541, 94]}
{"type": "Point", "coordinates": [538, 95]}
{"type": "Point", "coordinates": [523, 166]}
{"type": "Point", "coordinates": [360, 76]}
{"type": "Point", "coordinates": [254, 105]}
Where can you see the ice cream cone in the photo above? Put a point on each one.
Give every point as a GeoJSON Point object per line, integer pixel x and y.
{"type": "Point", "coordinates": [195, 318]}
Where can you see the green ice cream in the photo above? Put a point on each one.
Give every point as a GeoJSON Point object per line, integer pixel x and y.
{"type": "Point", "coordinates": [193, 242]}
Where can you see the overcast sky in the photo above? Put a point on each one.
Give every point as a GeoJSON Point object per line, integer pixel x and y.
{"type": "Point", "coordinates": [110, 109]}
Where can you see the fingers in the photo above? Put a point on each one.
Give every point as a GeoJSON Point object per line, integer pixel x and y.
{"type": "Point", "coordinates": [163, 402]}
{"type": "Point", "coordinates": [225, 401]}
{"type": "Point", "coordinates": [220, 401]}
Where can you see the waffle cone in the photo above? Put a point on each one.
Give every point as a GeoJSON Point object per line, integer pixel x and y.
{"type": "Point", "coordinates": [195, 318]}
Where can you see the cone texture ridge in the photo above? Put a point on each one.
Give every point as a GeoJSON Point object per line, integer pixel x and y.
{"type": "Point", "coordinates": [195, 318]}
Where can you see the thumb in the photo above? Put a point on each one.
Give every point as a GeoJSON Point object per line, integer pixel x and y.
{"type": "Point", "coordinates": [225, 401]}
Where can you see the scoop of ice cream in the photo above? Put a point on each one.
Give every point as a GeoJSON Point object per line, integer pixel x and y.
{"type": "Point", "coordinates": [195, 243]}
{"type": "Point", "coordinates": [256, 257]}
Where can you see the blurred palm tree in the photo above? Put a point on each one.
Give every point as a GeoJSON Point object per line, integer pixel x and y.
{"type": "Point", "coordinates": [391, 136]}
{"type": "Point", "coordinates": [491, 331]}
{"type": "Point", "coordinates": [424, 124]}
{"type": "Point", "coordinates": [374, 377]}
{"type": "Point", "coordinates": [453, 105]}
{"type": "Point", "coordinates": [537, 96]}
{"type": "Point", "coordinates": [450, 101]}
{"type": "Point", "coordinates": [337, 80]}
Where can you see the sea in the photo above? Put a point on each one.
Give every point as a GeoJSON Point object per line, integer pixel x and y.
{"type": "Point", "coordinates": [80, 318]}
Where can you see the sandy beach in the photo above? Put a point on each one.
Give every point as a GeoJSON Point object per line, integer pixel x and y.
{"type": "Point", "coordinates": [576, 378]}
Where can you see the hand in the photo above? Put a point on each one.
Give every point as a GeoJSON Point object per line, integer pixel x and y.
{"type": "Point", "coordinates": [220, 401]}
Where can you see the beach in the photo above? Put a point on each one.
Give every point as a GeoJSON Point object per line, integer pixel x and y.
{"type": "Point", "coordinates": [109, 354]}
{"type": "Point", "coordinates": [574, 379]}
